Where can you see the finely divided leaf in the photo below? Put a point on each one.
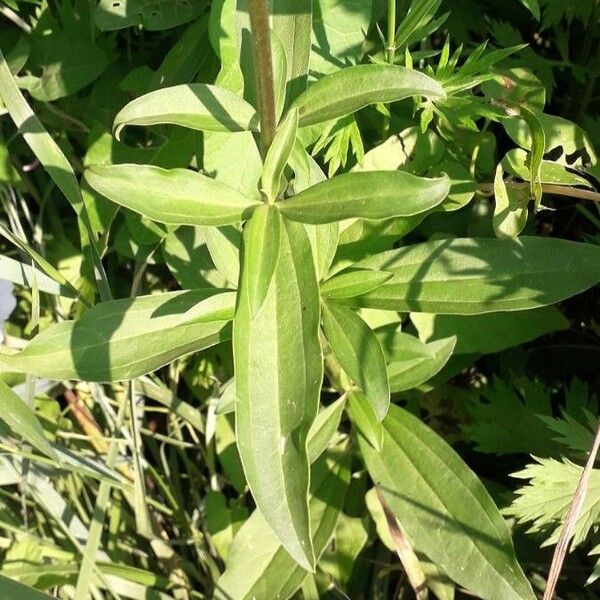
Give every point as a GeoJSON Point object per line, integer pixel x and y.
{"type": "Point", "coordinates": [279, 370]}
{"type": "Point", "coordinates": [172, 196]}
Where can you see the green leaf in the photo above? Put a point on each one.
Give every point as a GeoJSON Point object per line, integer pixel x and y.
{"type": "Point", "coordinates": [410, 362]}
{"type": "Point", "coordinates": [224, 244]}
{"type": "Point", "coordinates": [369, 195]}
{"type": "Point", "coordinates": [154, 15]}
{"type": "Point", "coordinates": [196, 106]}
{"type": "Point", "coordinates": [278, 155]}
{"type": "Point", "coordinates": [510, 208]}
{"type": "Point", "coordinates": [172, 196]}
{"type": "Point", "coordinates": [324, 428]}
{"type": "Point", "coordinates": [493, 332]}
{"type": "Point", "coordinates": [358, 351]}
{"type": "Point", "coordinates": [365, 421]}
{"type": "Point", "coordinates": [17, 591]}
{"type": "Point", "coordinates": [278, 370]}
{"type": "Point", "coordinates": [545, 501]}
{"type": "Point", "coordinates": [353, 88]}
{"type": "Point", "coordinates": [353, 283]}
{"type": "Point", "coordinates": [54, 162]}
{"type": "Point", "coordinates": [292, 23]}
{"type": "Point", "coordinates": [22, 421]}
{"type": "Point", "coordinates": [262, 237]}
{"type": "Point", "coordinates": [452, 519]}
{"type": "Point", "coordinates": [117, 340]}
{"type": "Point", "coordinates": [23, 274]}
{"type": "Point", "coordinates": [271, 573]}
{"type": "Point", "coordinates": [474, 276]}
{"type": "Point", "coordinates": [516, 163]}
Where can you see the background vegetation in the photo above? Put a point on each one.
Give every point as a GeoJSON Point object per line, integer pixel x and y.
{"type": "Point", "coordinates": [135, 489]}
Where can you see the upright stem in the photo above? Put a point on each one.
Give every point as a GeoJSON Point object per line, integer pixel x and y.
{"type": "Point", "coordinates": [263, 66]}
{"type": "Point", "coordinates": [390, 49]}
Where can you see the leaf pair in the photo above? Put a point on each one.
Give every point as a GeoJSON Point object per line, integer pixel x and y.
{"type": "Point", "coordinates": [183, 197]}
{"type": "Point", "coordinates": [212, 108]}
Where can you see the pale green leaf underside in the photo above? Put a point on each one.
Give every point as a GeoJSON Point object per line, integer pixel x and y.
{"type": "Point", "coordinates": [196, 106]}
{"type": "Point", "coordinates": [172, 196]}
{"type": "Point", "coordinates": [358, 351]}
{"type": "Point", "coordinates": [444, 508]}
{"type": "Point", "coordinates": [278, 368]}
{"type": "Point", "coordinates": [366, 195]}
{"type": "Point", "coordinates": [474, 276]}
{"type": "Point", "coordinates": [258, 565]}
{"type": "Point", "coordinates": [353, 88]}
{"type": "Point", "coordinates": [117, 340]}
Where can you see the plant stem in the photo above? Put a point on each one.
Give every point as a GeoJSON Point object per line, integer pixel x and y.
{"type": "Point", "coordinates": [390, 49]}
{"type": "Point", "coordinates": [263, 67]}
{"type": "Point", "coordinates": [568, 528]}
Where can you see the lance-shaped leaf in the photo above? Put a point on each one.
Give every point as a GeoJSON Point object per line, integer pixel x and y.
{"type": "Point", "coordinates": [353, 283]}
{"type": "Point", "coordinates": [357, 349]}
{"type": "Point", "coordinates": [411, 362]}
{"type": "Point", "coordinates": [278, 370]}
{"type": "Point", "coordinates": [366, 195]}
{"type": "Point", "coordinates": [364, 420]}
{"type": "Point", "coordinates": [118, 340]}
{"type": "Point", "coordinates": [22, 421]}
{"type": "Point", "coordinates": [474, 276]}
{"type": "Point", "coordinates": [196, 106]}
{"type": "Point", "coordinates": [9, 588]}
{"type": "Point", "coordinates": [271, 573]}
{"type": "Point", "coordinates": [172, 196]}
{"type": "Point", "coordinates": [510, 209]}
{"type": "Point", "coordinates": [278, 155]}
{"type": "Point", "coordinates": [450, 518]}
{"type": "Point", "coordinates": [353, 88]}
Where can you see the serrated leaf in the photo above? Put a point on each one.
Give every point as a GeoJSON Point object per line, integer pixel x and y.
{"type": "Point", "coordinates": [272, 574]}
{"type": "Point", "coordinates": [172, 196]}
{"type": "Point", "coordinates": [452, 519]}
{"type": "Point", "coordinates": [196, 106]}
{"type": "Point", "coordinates": [117, 340]}
{"type": "Point", "coordinates": [278, 370]}
{"type": "Point", "coordinates": [358, 351]}
{"type": "Point", "coordinates": [544, 502]}
{"type": "Point", "coordinates": [368, 195]}
{"type": "Point", "coordinates": [353, 88]}
{"type": "Point", "coordinates": [475, 276]}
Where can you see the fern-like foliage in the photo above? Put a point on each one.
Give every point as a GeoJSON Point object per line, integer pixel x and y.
{"type": "Point", "coordinates": [544, 501]}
